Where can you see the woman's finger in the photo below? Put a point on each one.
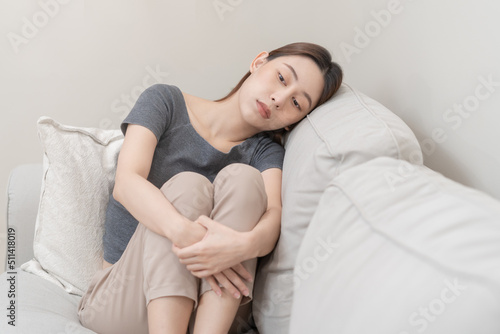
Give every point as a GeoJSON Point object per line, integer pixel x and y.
{"type": "Point", "coordinates": [214, 285]}
{"type": "Point", "coordinates": [186, 252]}
{"type": "Point", "coordinates": [222, 279]}
{"type": "Point", "coordinates": [236, 281]}
{"type": "Point", "coordinates": [175, 249]}
{"type": "Point", "coordinates": [190, 261]}
{"type": "Point", "coordinates": [201, 274]}
{"type": "Point", "coordinates": [199, 267]}
{"type": "Point", "coordinates": [240, 270]}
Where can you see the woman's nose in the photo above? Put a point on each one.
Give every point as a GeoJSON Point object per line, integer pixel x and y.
{"type": "Point", "coordinates": [281, 95]}
{"type": "Point", "coordinates": [277, 100]}
{"type": "Point", "coordinates": [275, 103]}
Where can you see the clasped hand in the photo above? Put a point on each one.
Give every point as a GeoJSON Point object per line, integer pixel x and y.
{"type": "Point", "coordinates": [217, 258]}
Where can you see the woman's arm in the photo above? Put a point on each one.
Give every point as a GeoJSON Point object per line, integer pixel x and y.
{"type": "Point", "coordinates": [141, 198]}
{"type": "Point", "coordinates": [223, 247]}
{"type": "Point", "coordinates": [262, 239]}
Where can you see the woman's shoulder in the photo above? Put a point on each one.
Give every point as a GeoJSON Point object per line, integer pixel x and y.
{"type": "Point", "coordinates": [163, 90]}
{"type": "Point", "coordinates": [264, 140]}
{"type": "Point", "coordinates": [157, 107]}
{"type": "Point", "coordinates": [266, 153]}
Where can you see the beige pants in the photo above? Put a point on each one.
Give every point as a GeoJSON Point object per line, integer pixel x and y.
{"type": "Point", "coordinates": [117, 298]}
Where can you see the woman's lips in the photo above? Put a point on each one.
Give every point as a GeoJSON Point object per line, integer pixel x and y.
{"type": "Point", "coordinates": [263, 110]}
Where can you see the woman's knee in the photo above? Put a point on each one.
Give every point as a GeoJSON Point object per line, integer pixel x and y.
{"type": "Point", "coordinates": [242, 183]}
{"type": "Point", "coordinates": [190, 193]}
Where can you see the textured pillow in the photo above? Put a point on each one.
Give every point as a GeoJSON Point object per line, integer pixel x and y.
{"type": "Point", "coordinates": [398, 248]}
{"type": "Point", "coordinates": [79, 167]}
{"type": "Point", "coordinates": [349, 129]}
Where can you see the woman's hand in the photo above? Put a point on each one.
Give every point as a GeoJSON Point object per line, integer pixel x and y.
{"type": "Point", "coordinates": [188, 233]}
{"type": "Point", "coordinates": [221, 248]}
{"type": "Point", "coordinates": [217, 257]}
{"type": "Point", "coordinates": [230, 280]}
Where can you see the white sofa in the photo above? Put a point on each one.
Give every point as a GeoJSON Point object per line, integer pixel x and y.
{"type": "Point", "coordinates": [372, 241]}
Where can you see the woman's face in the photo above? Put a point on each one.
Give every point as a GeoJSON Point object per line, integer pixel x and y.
{"type": "Point", "coordinates": [280, 92]}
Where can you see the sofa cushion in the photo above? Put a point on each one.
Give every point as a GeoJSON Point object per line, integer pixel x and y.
{"type": "Point", "coordinates": [22, 207]}
{"type": "Point", "coordinates": [399, 248]}
{"type": "Point", "coordinates": [347, 130]}
{"type": "Point", "coordinates": [79, 167]}
{"type": "Point", "coordinates": [40, 306]}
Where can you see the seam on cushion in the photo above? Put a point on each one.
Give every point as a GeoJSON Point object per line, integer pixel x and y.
{"type": "Point", "coordinates": [416, 252]}
{"type": "Point", "coordinates": [360, 100]}
{"type": "Point", "coordinates": [46, 167]}
{"type": "Point", "coordinates": [320, 135]}
{"type": "Point", "coordinates": [327, 144]}
{"type": "Point", "coordinates": [67, 128]}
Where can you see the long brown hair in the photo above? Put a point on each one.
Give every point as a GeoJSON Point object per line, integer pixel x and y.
{"type": "Point", "coordinates": [332, 73]}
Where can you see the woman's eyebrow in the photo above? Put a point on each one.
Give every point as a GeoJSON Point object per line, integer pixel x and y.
{"type": "Point", "coordinates": [293, 71]}
{"type": "Point", "coordinates": [297, 79]}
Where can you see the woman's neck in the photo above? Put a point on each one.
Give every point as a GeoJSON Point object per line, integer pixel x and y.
{"type": "Point", "coordinates": [219, 121]}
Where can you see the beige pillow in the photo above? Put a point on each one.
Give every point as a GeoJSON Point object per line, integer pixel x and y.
{"type": "Point", "coordinates": [79, 166]}
{"type": "Point", "coordinates": [347, 130]}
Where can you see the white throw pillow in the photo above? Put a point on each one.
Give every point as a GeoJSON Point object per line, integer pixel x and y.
{"type": "Point", "coordinates": [79, 167]}
{"type": "Point", "coordinates": [347, 130]}
{"type": "Point", "coordinates": [398, 248]}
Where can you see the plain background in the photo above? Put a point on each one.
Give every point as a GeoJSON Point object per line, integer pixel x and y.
{"type": "Point", "coordinates": [83, 63]}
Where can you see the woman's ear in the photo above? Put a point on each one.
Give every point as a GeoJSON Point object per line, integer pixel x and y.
{"type": "Point", "coordinates": [258, 61]}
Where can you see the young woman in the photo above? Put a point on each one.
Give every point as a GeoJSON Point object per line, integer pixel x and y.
{"type": "Point", "coordinates": [197, 197]}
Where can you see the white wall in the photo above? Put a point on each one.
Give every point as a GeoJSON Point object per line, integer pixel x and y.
{"type": "Point", "coordinates": [86, 60]}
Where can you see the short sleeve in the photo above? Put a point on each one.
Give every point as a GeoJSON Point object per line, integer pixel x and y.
{"type": "Point", "coordinates": [152, 110]}
{"type": "Point", "coordinates": [268, 154]}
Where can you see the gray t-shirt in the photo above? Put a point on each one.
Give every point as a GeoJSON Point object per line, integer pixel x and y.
{"type": "Point", "coordinates": [162, 109]}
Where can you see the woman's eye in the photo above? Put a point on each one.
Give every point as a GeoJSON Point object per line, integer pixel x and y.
{"type": "Point", "coordinates": [295, 103]}
{"type": "Point", "coordinates": [281, 78]}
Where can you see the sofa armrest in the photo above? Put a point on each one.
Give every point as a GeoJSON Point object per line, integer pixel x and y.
{"type": "Point", "coordinates": [23, 197]}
